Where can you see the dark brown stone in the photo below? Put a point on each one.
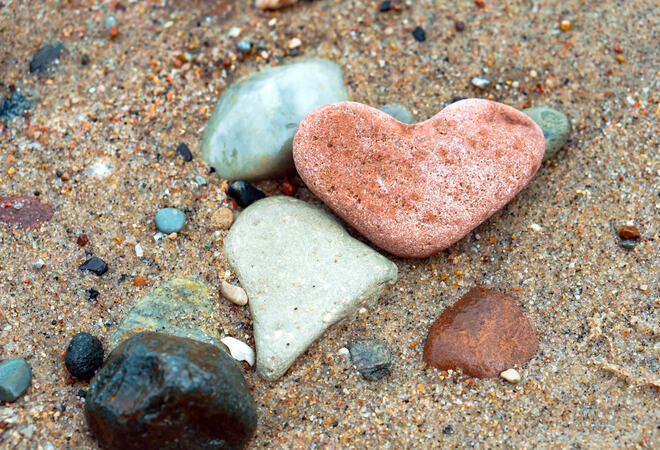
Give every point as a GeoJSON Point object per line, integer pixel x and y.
{"type": "Point", "coordinates": [158, 391]}
{"type": "Point", "coordinates": [24, 211]}
{"type": "Point", "coordinates": [629, 233]}
{"type": "Point", "coordinates": [483, 334]}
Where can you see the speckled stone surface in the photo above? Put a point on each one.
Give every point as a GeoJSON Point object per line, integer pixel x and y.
{"type": "Point", "coordinates": [334, 276]}
{"type": "Point", "coordinates": [414, 190]}
{"type": "Point", "coordinates": [181, 307]}
{"type": "Point", "coordinates": [484, 333]}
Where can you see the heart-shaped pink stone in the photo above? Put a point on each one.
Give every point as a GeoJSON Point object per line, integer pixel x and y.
{"type": "Point", "coordinates": [414, 190]}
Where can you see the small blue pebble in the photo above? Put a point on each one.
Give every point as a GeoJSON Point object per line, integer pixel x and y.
{"type": "Point", "coordinates": [110, 22]}
{"type": "Point", "coordinates": [200, 180]}
{"type": "Point", "coordinates": [243, 46]}
{"type": "Point", "coordinates": [170, 220]}
{"type": "Point", "coordinates": [15, 377]}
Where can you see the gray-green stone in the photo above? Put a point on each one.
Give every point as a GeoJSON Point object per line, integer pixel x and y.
{"type": "Point", "coordinates": [249, 135]}
{"type": "Point", "coordinates": [303, 273]}
{"type": "Point", "coordinates": [399, 112]}
{"type": "Point", "coordinates": [180, 307]}
{"type": "Point", "coordinates": [15, 377]}
{"type": "Point", "coordinates": [555, 125]}
{"type": "Point", "coordinates": [170, 220]}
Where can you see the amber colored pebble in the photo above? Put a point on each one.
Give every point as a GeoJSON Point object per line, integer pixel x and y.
{"type": "Point", "coordinates": [82, 240]}
{"type": "Point", "coordinates": [287, 188]}
{"type": "Point", "coordinates": [483, 334]}
{"type": "Point", "coordinates": [630, 232]}
{"type": "Point", "coordinates": [480, 3]}
{"type": "Point", "coordinates": [114, 32]}
{"type": "Point", "coordinates": [139, 281]}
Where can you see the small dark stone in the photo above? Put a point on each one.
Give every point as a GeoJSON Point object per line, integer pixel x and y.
{"type": "Point", "coordinates": [45, 57]}
{"type": "Point", "coordinates": [628, 244]}
{"type": "Point", "coordinates": [91, 294]}
{"type": "Point", "coordinates": [84, 356]}
{"type": "Point", "coordinates": [459, 25]}
{"type": "Point", "coordinates": [456, 99]}
{"type": "Point", "coordinates": [82, 240]}
{"type": "Point", "coordinates": [385, 6]}
{"type": "Point", "coordinates": [419, 34]}
{"type": "Point", "coordinates": [27, 212]}
{"type": "Point", "coordinates": [14, 106]}
{"type": "Point", "coordinates": [168, 392]}
{"type": "Point", "coordinates": [184, 152]}
{"type": "Point", "coordinates": [372, 358]}
{"type": "Point", "coordinates": [95, 265]}
{"type": "Point", "coordinates": [82, 393]}
{"type": "Point", "coordinates": [244, 193]}
{"type": "Point", "coordinates": [84, 60]}
{"type": "Point", "coordinates": [448, 430]}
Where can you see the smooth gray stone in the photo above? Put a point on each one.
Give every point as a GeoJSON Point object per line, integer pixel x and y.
{"type": "Point", "coordinates": [555, 125]}
{"type": "Point", "coordinates": [372, 358]}
{"type": "Point", "coordinates": [15, 377]}
{"type": "Point", "coordinates": [249, 135]}
{"type": "Point", "coordinates": [399, 112]}
{"type": "Point", "coordinates": [303, 273]}
{"type": "Point", "coordinates": [180, 307]}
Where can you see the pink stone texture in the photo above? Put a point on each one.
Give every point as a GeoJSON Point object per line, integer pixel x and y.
{"type": "Point", "coordinates": [414, 190]}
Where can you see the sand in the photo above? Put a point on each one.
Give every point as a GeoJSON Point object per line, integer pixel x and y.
{"type": "Point", "coordinates": [593, 382]}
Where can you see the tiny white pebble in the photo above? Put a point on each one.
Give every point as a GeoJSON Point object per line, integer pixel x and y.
{"type": "Point", "coordinates": [295, 43]}
{"type": "Point", "coordinates": [533, 73]}
{"type": "Point", "coordinates": [240, 351]}
{"type": "Point", "coordinates": [643, 287]}
{"type": "Point", "coordinates": [272, 22]}
{"type": "Point", "coordinates": [138, 251]}
{"type": "Point", "coordinates": [158, 236]}
{"type": "Point", "coordinates": [535, 227]}
{"type": "Point", "coordinates": [234, 294]}
{"type": "Point", "coordinates": [362, 310]}
{"type": "Point", "coordinates": [343, 351]}
{"type": "Point", "coordinates": [234, 32]}
{"type": "Point", "coordinates": [511, 375]}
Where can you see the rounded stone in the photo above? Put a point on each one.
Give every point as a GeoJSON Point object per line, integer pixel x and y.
{"type": "Point", "coordinates": [168, 392]}
{"type": "Point", "coordinates": [83, 356]}
{"type": "Point", "coordinates": [170, 220]}
{"type": "Point", "coordinates": [15, 377]}
{"type": "Point", "coordinates": [222, 218]}
{"type": "Point", "coordinates": [555, 125]}
{"type": "Point", "coordinates": [484, 333]}
{"type": "Point", "coordinates": [399, 112]}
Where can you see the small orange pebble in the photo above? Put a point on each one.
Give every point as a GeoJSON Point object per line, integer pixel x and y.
{"type": "Point", "coordinates": [287, 188]}
{"type": "Point", "coordinates": [139, 281]}
{"type": "Point", "coordinates": [480, 3]}
{"type": "Point", "coordinates": [565, 25]}
{"type": "Point", "coordinates": [617, 48]}
{"type": "Point", "coordinates": [114, 32]}
{"type": "Point", "coordinates": [468, 381]}
{"type": "Point", "coordinates": [619, 58]}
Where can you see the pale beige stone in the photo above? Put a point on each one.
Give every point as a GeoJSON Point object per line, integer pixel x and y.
{"type": "Point", "coordinates": [234, 294]}
{"type": "Point", "coordinates": [274, 4]}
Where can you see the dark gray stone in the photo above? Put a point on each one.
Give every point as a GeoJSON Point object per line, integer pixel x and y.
{"type": "Point", "coordinates": [158, 391]}
{"type": "Point", "coordinates": [372, 358]}
{"type": "Point", "coordinates": [45, 57]}
{"type": "Point", "coordinates": [95, 265]}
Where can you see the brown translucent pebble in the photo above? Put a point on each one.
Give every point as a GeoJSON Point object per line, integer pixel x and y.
{"type": "Point", "coordinates": [629, 232]}
{"type": "Point", "coordinates": [24, 211]}
{"type": "Point", "coordinates": [414, 190]}
{"type": "Point", "coordinates": [483, 334]}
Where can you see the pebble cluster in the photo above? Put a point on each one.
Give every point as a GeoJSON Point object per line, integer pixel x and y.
{"type": "Point", "coordinates": [114, 231]}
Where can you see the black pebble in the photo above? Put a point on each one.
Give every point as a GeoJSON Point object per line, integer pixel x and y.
{"type": "Point", "coordinates": [184, 152]}
{"type": "Point", "coordinates": [244, 193]}
{"type": "Point", "coordinates": [448, 430]}
{"type": "Point", "coordinates": [628, 244]}
{"type": "Point", "coordinates": [45, 57]}
{"type": "Point", "coordinates": [419, 34]}
{"type": "Point", "coordinates": [96, 265]}
{"type": "Point", "coordinates": [457, 99]}
{"type": "Point", "coordinates": [91, 294]}
{"type": "Point", "coordinates": [385, 6]}
{"type": "Point", "coordinates": [84, 356]}
{"type": "Point", "coordinates": [84, 60]}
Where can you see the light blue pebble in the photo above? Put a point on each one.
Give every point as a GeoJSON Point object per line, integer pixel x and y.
{"type": "Point", "coordinates": [399, 112]}
{"type": "Point", "coordinates": [110, 22]}
{"type": "Point", "coordinates": [200, 180]}
{"type": "Point", "coordinates": [170, 220]}
{"type": "Point", "coordinates": [555, 125]}
{"type": "Point", "coordinates": [15, 377]}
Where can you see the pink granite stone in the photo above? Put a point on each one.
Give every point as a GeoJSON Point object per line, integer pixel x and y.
{"type": "Point", "coordinates": [414, 190]}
